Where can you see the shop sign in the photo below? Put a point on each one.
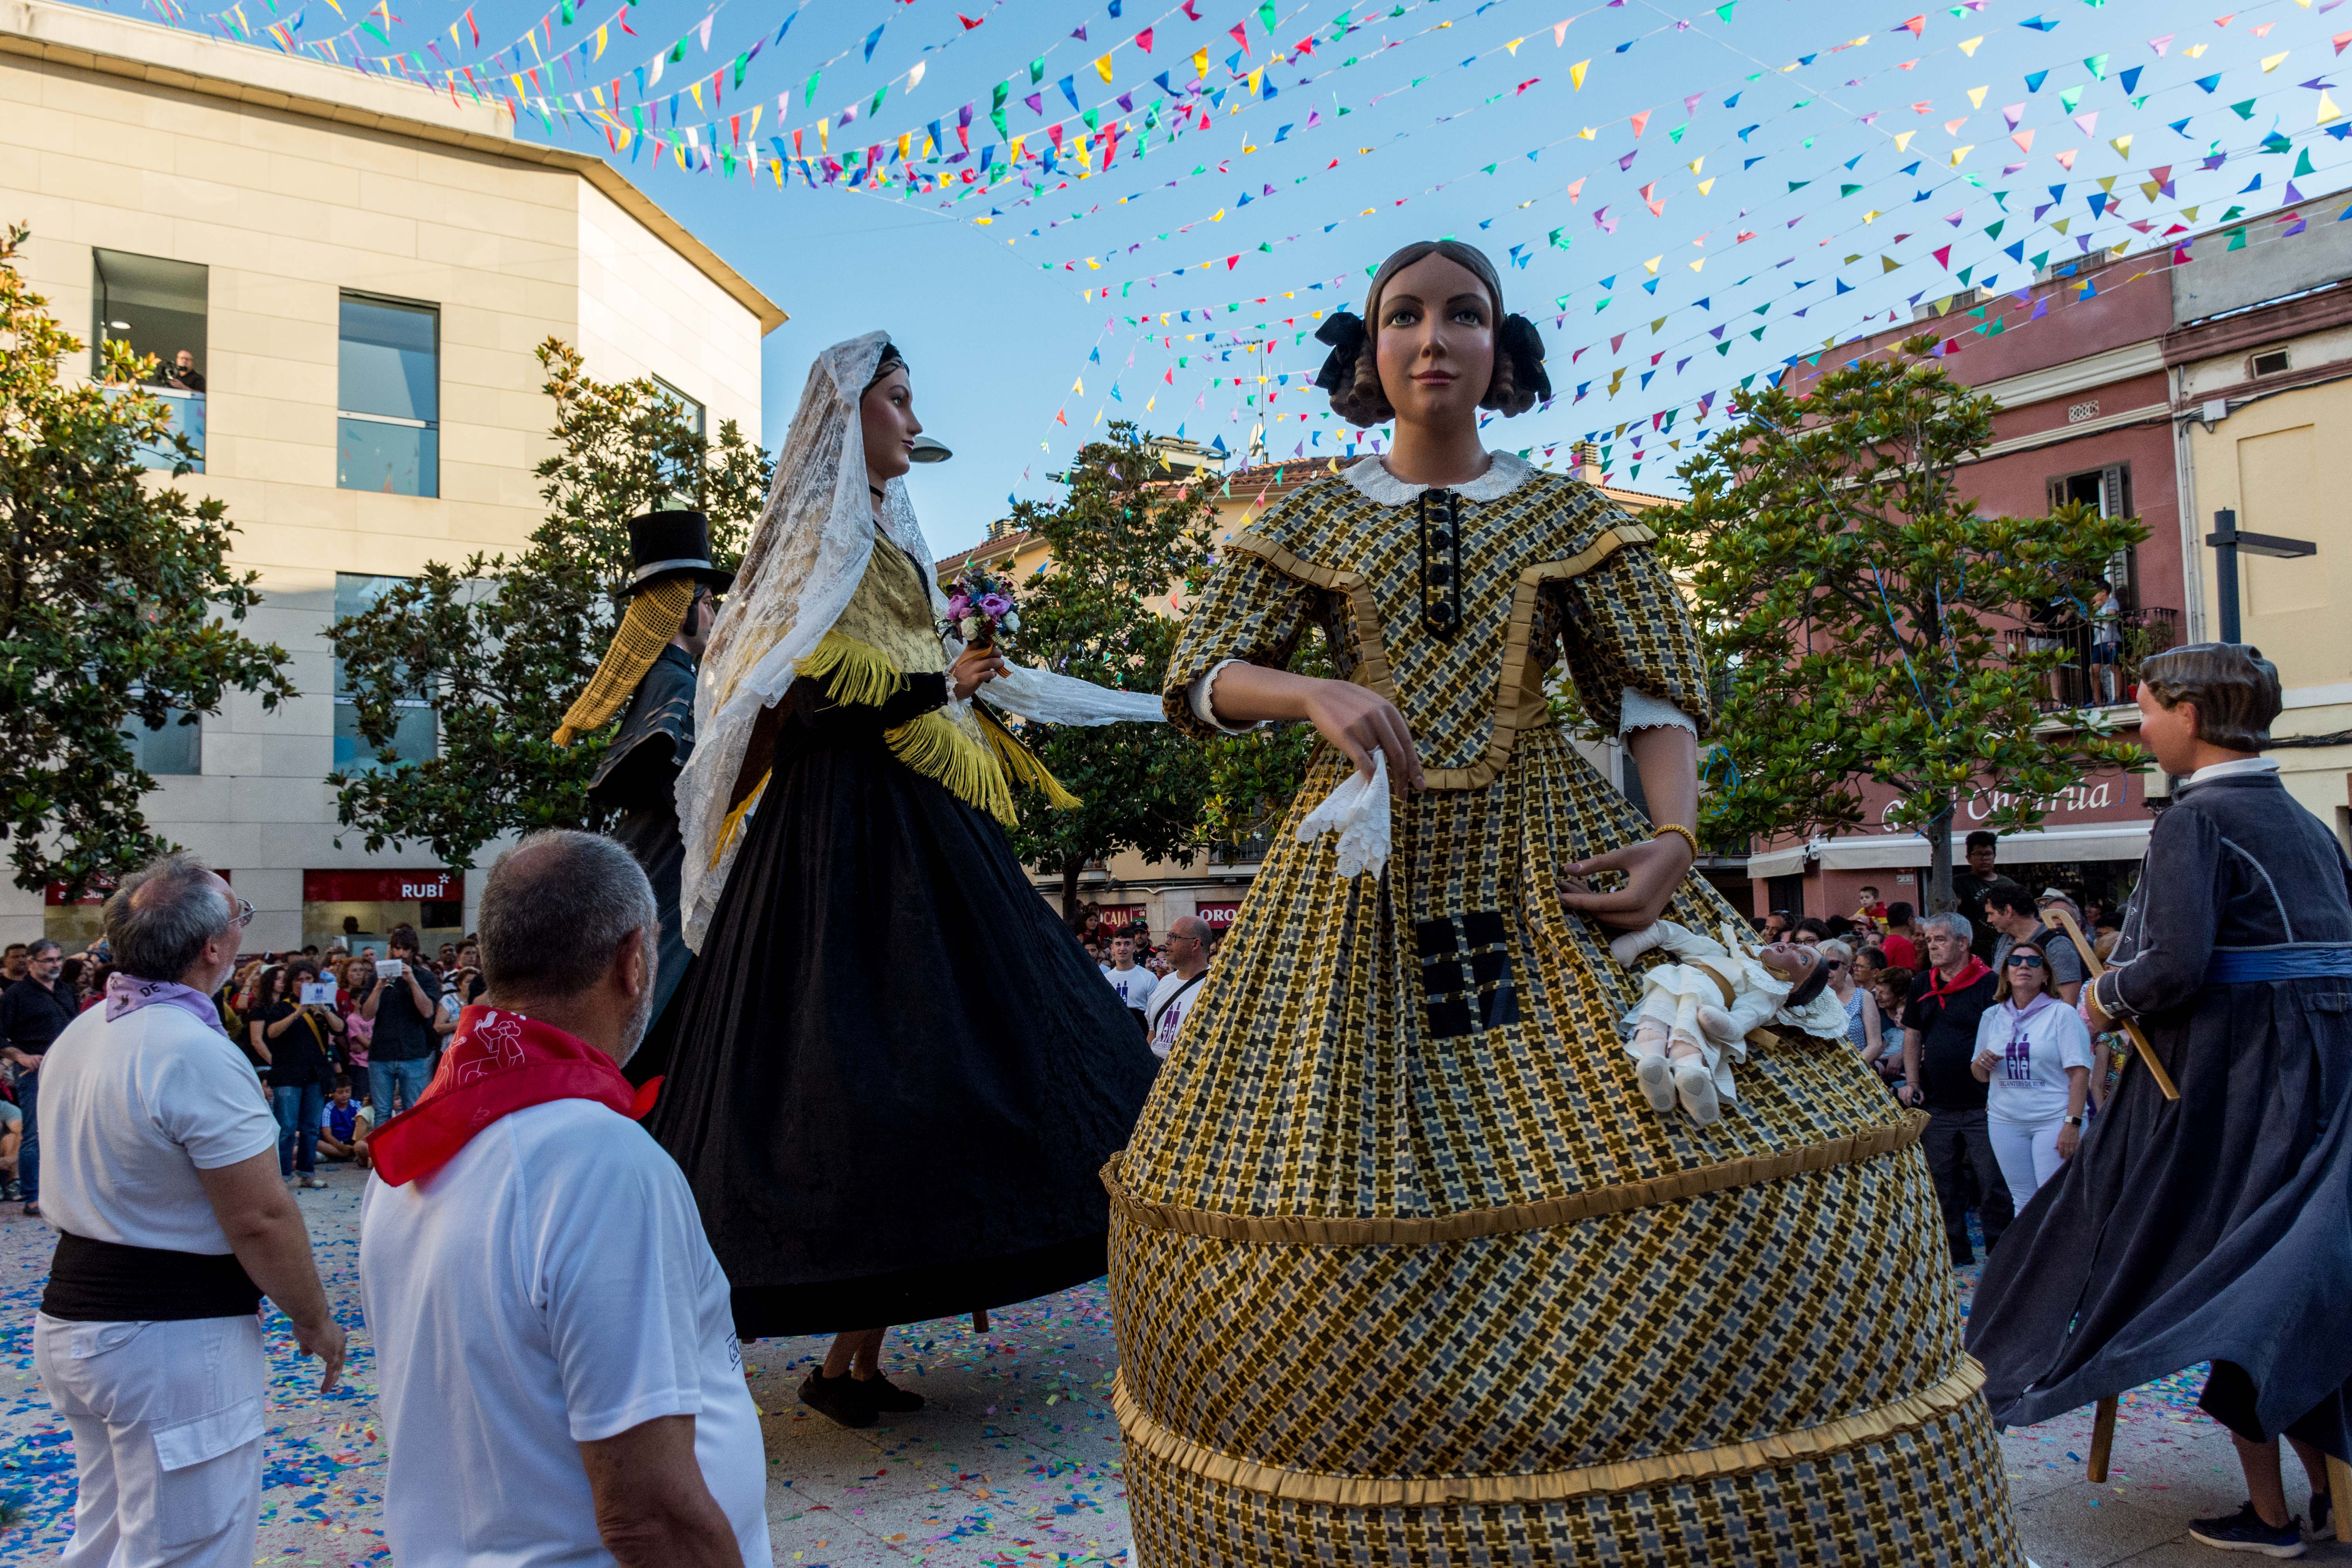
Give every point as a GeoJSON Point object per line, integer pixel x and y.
{"type": "Point", "coordinates": [383, 887]}
{"type": "Point", "coordinates": [1115, 915]}
{"type": "Point", "coordinates": [1217, 917]}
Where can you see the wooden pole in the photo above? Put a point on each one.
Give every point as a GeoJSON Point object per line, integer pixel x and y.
{"type": "Point", "coordinates": [980, 1320]}
{"type": "Point", "coordinates": [2102, 1439]}
{"type": "Point", "coordinates": [2339, 1490]}
{"type": "Point", "coordinates": [2094, 968]}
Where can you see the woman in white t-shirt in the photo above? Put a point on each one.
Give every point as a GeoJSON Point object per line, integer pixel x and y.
{"type": "Point", "coordinates": [2033, 1054]}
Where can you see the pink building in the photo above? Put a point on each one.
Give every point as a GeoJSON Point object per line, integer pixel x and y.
{"type": "Point", "coordinates": [2086, 414]}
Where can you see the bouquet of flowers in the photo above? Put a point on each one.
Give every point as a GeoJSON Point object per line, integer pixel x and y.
{"type": "Point", "coordinates": [981, 609]}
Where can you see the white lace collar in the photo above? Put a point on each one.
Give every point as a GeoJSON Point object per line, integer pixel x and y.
{"type": "Point", "coordinates": [1506, 472]}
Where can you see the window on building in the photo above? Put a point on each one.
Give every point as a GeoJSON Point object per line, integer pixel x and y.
{"type": "Point", "coordinates": [2107, 491]}
{"type": "Point", "coordinates": [417, 737]}
{"type": "Point", "coordinates": [157, 308]}
{"type": "Point", "coordinates": [687, 406]}
{"type": "Point", "coordinates": [174, 747]}
{"type": "Point", "coordinates": [388, 432]}
{"type": "Point", "coordinates": [2269, 362]}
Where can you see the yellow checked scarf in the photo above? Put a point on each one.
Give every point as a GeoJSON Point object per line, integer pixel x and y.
{"type": "Point", "coordinates": [654, 617]}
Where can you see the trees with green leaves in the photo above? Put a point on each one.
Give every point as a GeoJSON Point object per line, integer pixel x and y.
{"type": "Point", "coordinates": [499, 648]}
{"type": "Point", "coordinates": [1862, 609]}
{"type": "Point", "coordinates": [118, 602]}
{"type": "Point", "coordinates": [1119, 538]}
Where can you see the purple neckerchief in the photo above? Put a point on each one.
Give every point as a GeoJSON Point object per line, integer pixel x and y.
{"type": "Point", "coordinates": [125, 995]}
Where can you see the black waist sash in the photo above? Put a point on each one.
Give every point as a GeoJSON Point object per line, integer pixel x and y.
{"type": "Point", "coordinates": [106, 1282]}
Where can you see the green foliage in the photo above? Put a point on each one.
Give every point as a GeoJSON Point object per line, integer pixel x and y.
{"type": "Point", "coordinates": [1119, 538]}
{"type": "Point", "coordinates": [500, 648]}
{"type": "Point", "coordinates": [111, 586]}
{"type": "Point", "coordinates": [1858, 602]}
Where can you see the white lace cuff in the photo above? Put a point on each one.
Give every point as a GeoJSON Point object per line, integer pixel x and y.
{"type": "Point", "coordinates": [1204, 709]}
{"type": "Point", "coordinates": [1640, 710]}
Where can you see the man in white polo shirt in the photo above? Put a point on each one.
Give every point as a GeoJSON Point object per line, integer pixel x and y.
{"type": "Point", "coordinates": [555, 1351]}
{"type": "Point", "coordinates": [171, 1222]}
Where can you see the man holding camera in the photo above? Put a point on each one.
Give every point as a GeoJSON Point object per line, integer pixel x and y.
{"type": "Point", "coordinates": [401, 1007]}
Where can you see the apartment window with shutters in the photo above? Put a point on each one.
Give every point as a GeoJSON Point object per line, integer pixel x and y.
{"type": "Point", "coordinates": [2107, 491]}
{"type": "Point", "coordinates": [388, 427]}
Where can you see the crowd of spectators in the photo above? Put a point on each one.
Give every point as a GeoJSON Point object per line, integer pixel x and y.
{"type": "Point", "coordinates": [339, 1039]}
{"type": "Point", "coordinates": [1969, 1017]}
{"type": "Point", "coordinates": [1156, 981]}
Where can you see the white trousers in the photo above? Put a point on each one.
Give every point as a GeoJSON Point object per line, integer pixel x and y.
{"type": "Point", "coordinates": [2027, 1152]}
{"type": "Point", "coordinates": [166, 1421]}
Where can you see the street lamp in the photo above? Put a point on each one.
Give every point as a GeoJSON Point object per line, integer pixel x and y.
{"type": "Point", "coordinates": [2227, 541]}
{"type": "Point", "coordinates": [929, 449]}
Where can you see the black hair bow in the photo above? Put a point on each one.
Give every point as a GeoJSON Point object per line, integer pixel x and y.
{"type": "Point", "coordinates": [1526, 349]}
{"type": "Point", "coordinates": [1344, 330]}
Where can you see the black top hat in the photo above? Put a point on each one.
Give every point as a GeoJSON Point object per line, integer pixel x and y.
{"type": "Point", "coordinates": [665, 544]}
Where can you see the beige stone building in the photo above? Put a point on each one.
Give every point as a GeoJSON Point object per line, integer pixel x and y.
{"type": "Point", "coordinates": [358, 272]}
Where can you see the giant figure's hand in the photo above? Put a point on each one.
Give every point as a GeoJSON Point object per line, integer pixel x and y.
{"type": "Point", "coordinates": [973, 669]}
{"type": "Point", "coordinates": [1652, 869]}
{"type": "Point", "coordinates": [1355, 719]}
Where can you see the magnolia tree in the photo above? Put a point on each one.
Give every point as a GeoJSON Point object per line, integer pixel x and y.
{"type": "Point", "coordinates": [118, 603]}
{"type": "Point", "coordinates": [1858, 600]}
{"type": "Point", "coordinates": [499, 648]}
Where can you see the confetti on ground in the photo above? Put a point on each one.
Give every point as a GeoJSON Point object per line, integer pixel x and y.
{"type": "Point", "coordinates": [1016, 1464]}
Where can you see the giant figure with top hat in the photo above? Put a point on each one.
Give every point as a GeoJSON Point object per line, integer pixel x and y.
{"type": "Point", "coordinates": [648, 678]}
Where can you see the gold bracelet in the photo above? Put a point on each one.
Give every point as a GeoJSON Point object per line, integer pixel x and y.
{"type": "Point", "coordinates": [1684, 834]}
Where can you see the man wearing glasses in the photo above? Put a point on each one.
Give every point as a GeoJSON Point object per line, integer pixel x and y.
{"type": "Point", "coordinates": [646, 679]}
{"type": "Point", "coordinates": [172, 1225]}
{"type": "Point", "coordinates": [1172, 998]}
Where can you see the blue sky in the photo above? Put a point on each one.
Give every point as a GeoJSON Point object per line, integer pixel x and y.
{"type": "Point", "coordinates": [1406, 120]}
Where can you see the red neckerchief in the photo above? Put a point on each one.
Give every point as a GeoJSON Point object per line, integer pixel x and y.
{"type": "Point", "coordinates": [1974, 970]}
{"type": "Point", "coordinates": [497, 1063]}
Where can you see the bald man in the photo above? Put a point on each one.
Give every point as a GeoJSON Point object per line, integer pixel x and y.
{"type": "Point", "coordinates": [1172, 998]}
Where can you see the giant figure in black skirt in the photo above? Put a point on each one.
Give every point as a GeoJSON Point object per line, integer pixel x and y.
{"type": "Point", "coordinates": [2217, 1227]}
{"type": "Point", "coordinates": [897, 1074]}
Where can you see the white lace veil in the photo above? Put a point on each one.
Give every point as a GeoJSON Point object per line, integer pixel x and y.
{"type": "Point", "coordinates": [808, 554]}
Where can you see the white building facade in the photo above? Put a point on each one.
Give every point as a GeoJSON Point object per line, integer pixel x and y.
{"type": "Point", "coordinates": [359, 271]}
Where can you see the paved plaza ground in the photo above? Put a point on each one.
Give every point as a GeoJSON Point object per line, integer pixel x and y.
{"type": "Point", "coordinates": [1016, 1462]}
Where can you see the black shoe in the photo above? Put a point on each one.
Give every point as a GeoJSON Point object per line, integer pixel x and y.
{"type": "Point", "coordinates": [2323, 1518]}
{"type": "Point", "coordinates": [2245, 1532]}
{"type": "Point", "coordinates": [1962, 1257]}
{"type": "Point", "coordinates": [841, 1400]}
{"type": "Point", "coordinates": [885, 1395]}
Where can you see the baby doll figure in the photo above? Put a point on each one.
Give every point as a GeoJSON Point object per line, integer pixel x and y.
{"type": "Point", "coordinates": [1695, 1014]}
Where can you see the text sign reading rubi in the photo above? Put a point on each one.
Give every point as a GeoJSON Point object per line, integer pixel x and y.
{"type": "Point", "coordinates": [383, 887]}
{"type": "Point", "coordinates": [1217, 917]}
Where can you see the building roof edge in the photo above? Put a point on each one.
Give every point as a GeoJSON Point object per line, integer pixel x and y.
{"type": "Point", "coordinates": [16, 39]}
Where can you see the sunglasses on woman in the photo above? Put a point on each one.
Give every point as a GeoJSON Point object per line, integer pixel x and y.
{"type": "Point", "coordinates": [2026, 959]}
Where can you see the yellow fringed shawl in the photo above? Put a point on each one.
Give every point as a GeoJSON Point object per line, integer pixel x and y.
{"type": "Point", "coordinates": [884, 635]}
{"type": "Point", "coordinates": [654, 617]}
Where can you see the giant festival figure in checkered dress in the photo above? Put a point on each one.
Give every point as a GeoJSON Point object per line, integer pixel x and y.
{"type": "Point", "coordinates": [1405, 1266]}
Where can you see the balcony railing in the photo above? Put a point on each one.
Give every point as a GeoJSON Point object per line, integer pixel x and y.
{"type": "Point", "coordinates": [2095, 674]}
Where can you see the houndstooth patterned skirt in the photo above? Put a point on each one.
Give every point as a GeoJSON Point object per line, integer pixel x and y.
{"type": "Point", "coordinates": [1406, 1270]}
